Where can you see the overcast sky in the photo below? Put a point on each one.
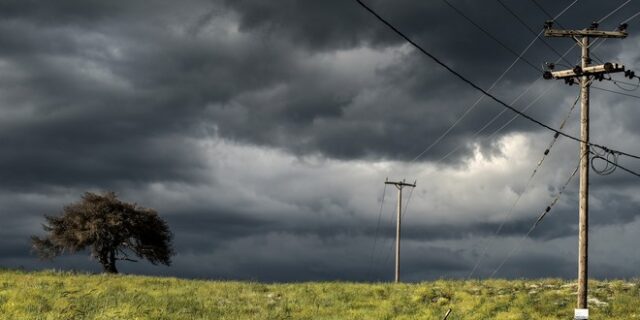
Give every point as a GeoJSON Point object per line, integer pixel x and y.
{"type": "Point", "coordinates": [263, 132]}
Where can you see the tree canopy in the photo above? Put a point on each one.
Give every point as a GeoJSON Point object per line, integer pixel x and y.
{"type": "Point", "coordinates": [112, 229]}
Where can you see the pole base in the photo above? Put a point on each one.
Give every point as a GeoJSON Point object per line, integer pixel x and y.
{"type": "Point", "coordinates": [581, 314]}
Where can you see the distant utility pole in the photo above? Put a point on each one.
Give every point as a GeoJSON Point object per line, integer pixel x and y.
{"type": "Point", "coordinates": [399, 185]}
{"type": "Point", "coordinates": [586, 74]}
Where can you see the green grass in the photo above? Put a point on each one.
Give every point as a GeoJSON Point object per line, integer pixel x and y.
{"type": "Point", "coordinates": [63, 295]}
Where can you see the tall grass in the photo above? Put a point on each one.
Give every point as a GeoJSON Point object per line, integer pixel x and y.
{"type": "Point", "coordinates": [64, 295]}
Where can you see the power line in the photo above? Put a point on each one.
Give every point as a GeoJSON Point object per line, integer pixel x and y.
{"type": "Point", "coordinates": [460, 76]}
{"type": "Point", "coordinates": [549, 15]}
{"type": "Point", "coordinates": [616, 82]}
{"type": "Point", "coordinates": [616, 164]}
{"type": "Point", "coordinates": [491, 36]}
{"type": "Point", "coordinates": [542, 9]}
{"type": "Point", "coordinates": [531, 30]}
{"type": "Point", "coordinates": [561, 26]}
{"type": "Point", "coordinates": [614, 11]}
{"type": "Point", "coordinates": [535, 170]}
{"type": "Point", "coordinates": [375, 237]}
{"type": "Point", "coordinates": [563, 11]}
{"type": "Point", "coordinates": [620, 93]}
{"type": "Point", "coordinates": [475, 86]}
{"type": "Point", "coordinates": [392, 242]}
{"type": "Point", "coordinates": [475, 104]}
{"type": "Point", "coordinates": [631, 18]}
{"type": "Point", "coordinates": [537, 222]}
{"type": "Point", "coordinates": [406, 204]}
{"type": "Point", "coordinates": [621, 23]}
{"type": "Point", "coordinates": [605, 39]}
{"type": "Point", "coordinates": [486, 125]}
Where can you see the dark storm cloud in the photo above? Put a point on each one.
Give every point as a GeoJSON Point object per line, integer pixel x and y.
{"type": "Point", "coordinates": [121, 72]}
{"type": "Point", "coordinates": [422, 84]}
{"type": "Point", "coordinates": [120, 95]}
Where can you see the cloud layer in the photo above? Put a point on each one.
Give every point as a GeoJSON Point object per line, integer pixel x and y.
{"type": "Point", "coordinates": [263, 132]}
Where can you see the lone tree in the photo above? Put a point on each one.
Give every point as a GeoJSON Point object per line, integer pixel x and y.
{"type": "Point", "coordinates": [112, 229]}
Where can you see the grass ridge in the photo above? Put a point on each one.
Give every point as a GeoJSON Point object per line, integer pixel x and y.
{"type": "Point", "coordinates": [75, 295]}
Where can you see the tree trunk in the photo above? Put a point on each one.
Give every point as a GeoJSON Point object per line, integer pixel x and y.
{"type": "Point", "coordinates": [109, 264]}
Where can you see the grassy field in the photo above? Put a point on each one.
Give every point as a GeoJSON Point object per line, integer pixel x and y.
{"type": "Point", "coordinates": [54, 295]}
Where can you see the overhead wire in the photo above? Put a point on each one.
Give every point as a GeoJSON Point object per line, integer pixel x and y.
{"type": "Point", "coordinates": [517, 17]}
{"type": "Point", "coordinates": [406, 205]}
{"type": "Point", "coordinates": [602, 40]}
{"type": "Point", "coordinates": [476, 87]}
{"type": "Point", "coordinates": [537, 36]}
{"type": "Point", "coordinates": [614, 11]}
{"type": "Point", "coordinates": [549, 14]}
{"type": "Point", "coordinates": [546, 151]}
{"type": "Point", "coordinates": [618, 82]}
{"type": "Point", "coordinates": [493, 85]}
{"type": "Point", "coordinates": [548, 208]}
{"type": "Point", "coordinates": [528, 183]}
{"type": "Point", "coordinates": [546, 211]}
{"type": "Point", "coordinates": [542, 215]}
{"type": "Point", "coordinates": [375, 237]}
{"type": "Point", "coordinates": [620, 93]}
{"type": "Point", "coordinates": [617, 165]}
{"type": "Point", "coordinates": [475, 104]}
{"type": "Point", "coordinates": [518, 113]}
{"type": "Point", "coordinates": [392, 241]}
{"type": "Point", "coordinates": [631, 18]}
{"type": "Point", "coordinates": [477, 264]}
{"type": "Point", "coordinates": [609, 168]}
{"type": "Point", "coordinates": [565, 9]}
{"type": "Point", "coordinates": [555, 200]}
{"type": "Point", "coordinates": [486, 125]}
{"type": "Point", "coordinates": [562, 57]}
{"type": "Point", "coordinates": [492, 36]}
{"type": "Point", "coordinates": [542, 8]}
{"type": "Point", "coordinates": [554, 18]}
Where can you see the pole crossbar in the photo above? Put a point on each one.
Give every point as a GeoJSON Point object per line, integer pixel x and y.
{"type": "Point", "coordinates": [585, 33]}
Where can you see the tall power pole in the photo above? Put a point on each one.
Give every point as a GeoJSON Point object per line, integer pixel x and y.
{"type": "Point", "coordinates": [399, 185]}
{"type": "Point", "coordinates": [586, 74]}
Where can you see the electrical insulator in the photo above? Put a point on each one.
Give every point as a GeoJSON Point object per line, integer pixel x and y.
{"type": "Point", "coordinates": [577, 70]}
{"type": "Point", "coordinates": [623, 27]}
{"type": "Point", "coordinates": [548, 24]}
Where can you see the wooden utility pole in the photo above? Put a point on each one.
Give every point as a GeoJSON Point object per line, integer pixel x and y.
{"type": "Point", "coordinates": [586, 74]}
{"type": "Point", "coordinates": [399, 185]}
